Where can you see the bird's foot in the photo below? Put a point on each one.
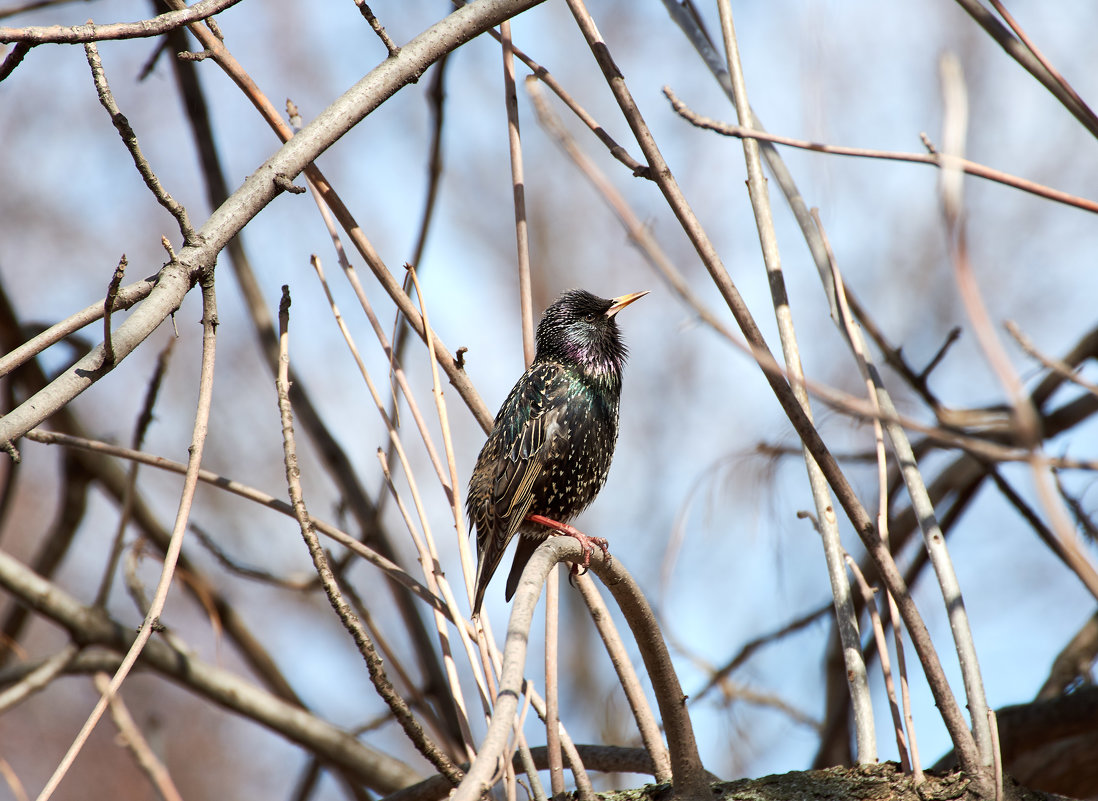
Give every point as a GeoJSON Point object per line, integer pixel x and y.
{"type": "Point", "coordinates": [587, 543]}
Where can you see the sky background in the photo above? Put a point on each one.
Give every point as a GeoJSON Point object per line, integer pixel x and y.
{"type": "Point", "coordinates": [694, 409]}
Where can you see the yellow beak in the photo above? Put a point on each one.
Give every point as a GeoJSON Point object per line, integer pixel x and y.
{"type": "Point", "coordinates": [617, 304]}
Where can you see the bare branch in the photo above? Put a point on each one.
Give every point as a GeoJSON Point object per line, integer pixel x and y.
{"type": "Point", "coordinates": [346, 616]}
{"type": "Point", "coordinates": [79, 34]}
{"type": "Point", "coordinates": [138, 745]}
{"type": "Point", "coordinates": [827, 523]}
{"type": "Point", "coordinates": [129, 139]}
{"type": "Point", "coordinates": [108, 306]}
{"type": "Point", "coordinates": [175, 545]}
{"type": "Point", "coordinates": [379, 29]}
{"type": "Point", "coordinates": [627, 677]}
{"type": "Point", "coordinates": [689, 777]}
{"type": "Point", "coordinates": [13, 59]}
{"type": "Point", "coordinates": [1020, 53]}
{"type": "Point", "coordinates": [934, 159]}
{"type": "Point", "coordinates": [126, 297]}
{"type": "Point", "coordinates": [840, 485]}
{"type": "Point", "coordinates": [259, 189]}
{"type": "Point", "coordinates": [92, 626]}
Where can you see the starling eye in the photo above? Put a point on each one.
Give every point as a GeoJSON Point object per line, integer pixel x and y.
{"type": "Point", "coordinates": [590, 317]}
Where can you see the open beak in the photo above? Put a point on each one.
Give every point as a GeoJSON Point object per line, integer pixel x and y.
{"type": "Point", "coordinates": [617, 304]}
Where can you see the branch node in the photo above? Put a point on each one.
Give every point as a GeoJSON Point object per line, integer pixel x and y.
{"type": "Point", "coordinates": [109, 359]}
{"type": "Point", "coordinates": [286, 184]}
{"type": "Point", "coordinates": [379, 29]}
{"type": "Point", "coordinates": [211, 23]}
{"type": "Point", "coordinates": [194, 55]}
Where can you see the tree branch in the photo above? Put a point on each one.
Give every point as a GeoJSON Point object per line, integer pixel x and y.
{"type": "Point", "coordinates": [178, 277]}
{"type": "Point", "coordinates": [89, 32]}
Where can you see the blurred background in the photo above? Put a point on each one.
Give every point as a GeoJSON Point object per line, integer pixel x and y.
{"type": "Point", "coordinates": [701, 505]}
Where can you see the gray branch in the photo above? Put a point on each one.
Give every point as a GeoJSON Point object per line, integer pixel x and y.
{"type": "Point", "coordinates": [178, 277]}
{"type": "Point", "coordinates": [90, 626]}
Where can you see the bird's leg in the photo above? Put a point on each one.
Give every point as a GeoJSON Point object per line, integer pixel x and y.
{"type": "Point", "coordinates": [586, 542]}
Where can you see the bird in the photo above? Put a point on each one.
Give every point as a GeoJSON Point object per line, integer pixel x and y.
{"type": "Point", "coordinates": [553, 438]}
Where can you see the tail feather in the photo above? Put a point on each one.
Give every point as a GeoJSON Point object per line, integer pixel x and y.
{"type": "Point", "coordinates": [486, 566]}
{"type": "Point", "coordinates": [525, 550]}
{"type": "Point", "coordinates": [489, 553]}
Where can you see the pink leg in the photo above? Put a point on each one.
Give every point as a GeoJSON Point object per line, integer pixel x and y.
{"type": "Point", "coordinates": [587, 543]}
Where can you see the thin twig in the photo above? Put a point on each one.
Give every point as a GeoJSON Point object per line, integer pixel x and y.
{"type": "Point", "coordinates": [869, 602]}
{"type": "Point", "coordinates": [13, 782]}
{"type": "Point", "coordinates": [1086, 525]}
{"type": "Point", "coordinates": [39, 678]}
{"type": "Point", "coordinates": [437, 95]}
{"type": "Point", "coordinates": [856, 341]}
{"type": "Point", "coordinates": [347, 617]}
{"type": "Point", "coordinates": [379, 29]}
{"type": "Point", "coordinates": [844, 492]}
{"type": "Point", "coordinates": [1024, 56]}
{"type": "Point", "coordinates": [80, 34]}
{"type": "Point", "coordinates": [861, 700]}
{"type": "Point", "coordinates": [144, 420]}
{"type": "Point", "coordinates": [748, 649]}
{"type": "Point", "coordinates": [518, 187]}
{"type": "Point", "coordinates": [1066, 550]}
{"type": "Point", "coordinates": [171, 556]}
{"type": "Point", "coordinates": [135, 741]}
{"type": "Point", "coordinates": [933, 159]}
{"type": "Point", "coordinates": [108, 306]}
{"type": "Point", "coordinates": [552, 683]}
{"type": "Point", "coordinates": [1055, 365]}
{"type": "Point", "coordinates": [627, 677]}
{"type": "Point", "coordinates": [129, 139]}
{"type": "Point", "coordinates": [246, 571]}
{"type": "Point", "coordinates": [13, 59]}
{"type": "Point", "coordinates": [996, 751]}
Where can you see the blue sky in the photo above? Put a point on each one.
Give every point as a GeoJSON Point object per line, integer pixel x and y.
{"type": "Point", "coordinates": [694, 409]}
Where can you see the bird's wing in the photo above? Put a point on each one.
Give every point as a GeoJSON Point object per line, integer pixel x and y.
{"type": "Point", "coordinates": [528, 434]}
{"type": "Point", "coordinates": [536, 438]}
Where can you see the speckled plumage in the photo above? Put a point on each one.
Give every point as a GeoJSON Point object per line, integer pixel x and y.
{"type": "Point", "coordinates": [550, 449]}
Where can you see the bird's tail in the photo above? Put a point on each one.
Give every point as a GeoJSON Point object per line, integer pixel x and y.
{"type": "Point", "coordinates": [489, 553]}
{"type": "Point", "coordinates": [525, 550]}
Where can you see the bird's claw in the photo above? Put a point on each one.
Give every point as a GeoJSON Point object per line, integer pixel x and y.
{"type": "Point", "coordinates": [587, 544]}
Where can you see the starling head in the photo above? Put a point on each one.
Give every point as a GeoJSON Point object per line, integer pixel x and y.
{"type": "Point", "coordinates": [580, 329]}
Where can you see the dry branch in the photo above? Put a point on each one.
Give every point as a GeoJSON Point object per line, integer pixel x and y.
{"type": "Point", "coordinates": [176, 279]}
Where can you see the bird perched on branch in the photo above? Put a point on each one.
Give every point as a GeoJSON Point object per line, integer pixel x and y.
{"type": "Point", "coordinates": [553, 438]}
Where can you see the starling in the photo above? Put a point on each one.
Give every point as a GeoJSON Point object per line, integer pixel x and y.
{"type": "Point", "coordinates": [553, 438]}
